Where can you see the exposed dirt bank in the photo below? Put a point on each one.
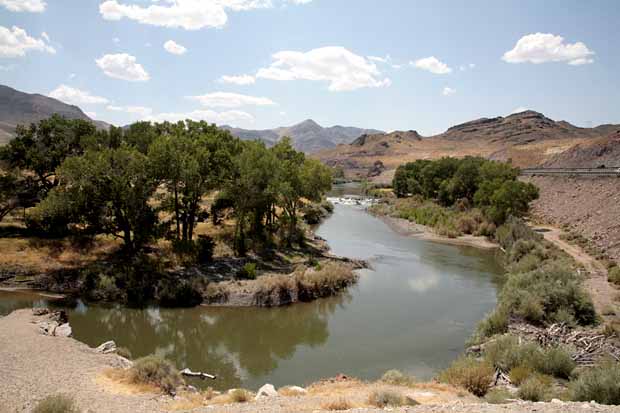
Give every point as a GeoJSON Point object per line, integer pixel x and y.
{"type": "Point", "coordinates": [34, 366]}
{"type": "Point", "coordinates": [406, 227]}
{"type": "Point", "coordinates": [588, 206]}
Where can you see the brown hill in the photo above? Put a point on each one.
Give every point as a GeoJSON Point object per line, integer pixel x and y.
{"type": "Point", "coordinates": [526, 139]}
{"type": "Point", "coordinates": [19, 108]}
{"type": "Point", "coordinates": [590, 154]}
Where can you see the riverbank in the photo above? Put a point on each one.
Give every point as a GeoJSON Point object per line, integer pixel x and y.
{"type": "Point", "coordinates": [35, 366]}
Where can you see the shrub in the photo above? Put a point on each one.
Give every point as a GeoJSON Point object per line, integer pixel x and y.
{"type": "Point", "coordinates": [528, 263]}
{"type": "Point", "coordinates": [57, 403]}
{"type": "Point", "coordinates": [324, 282]}
{"type": "Point", "coordinates": [248, 271]}
{"type": "Point", "coordinates": [466, 225]}
{"type": "Point", "coordinates": [178, 293]}
{"type": "Point", "coordinates": [599, 383]}
{"type": "Point", "coordinates": [240, 395]}
{"type": "Point", "coordinates": [385, 398]}
{"type": "Point", "coordinates": [495, 323]}
{"type": "Point", "coordinates": [497, 396]}
{"type": "Point", "coordinates": [486, 229]}
{"type": "Point", "coordinates": [338, 404]}
{"type": "Point", "coordinates": [513, 230]}
{"type": "Point", "coordinates": [519, 374]}
{"type": "Point", "coordinates": [614, 275]}
{"type": "Point", "coordinates": [204, 248]}
{"type": "Point", "coordinates": [557, 362]}
{"type": "Point", "coordinates": [156, 371]}
{"type": "Point", "coordinates": [396, 377]}
{"type": "Point", "coordinates": [473, 375]}
{"type": "Point", "coordinates": [506, 353]}
{"type": "Point", "coordinates": [124, 352]}
{"type": "Point", "coordinates": [534, 389]}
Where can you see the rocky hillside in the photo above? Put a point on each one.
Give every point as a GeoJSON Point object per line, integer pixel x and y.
{"type": "Point", "coordinates": [590, 154]}
{"type": "Point", "coordinates": [308, 136]}
{"type": "Point", "coordinates": [19, 108]}
{"type": "Point", "coordinates": [526, 139]}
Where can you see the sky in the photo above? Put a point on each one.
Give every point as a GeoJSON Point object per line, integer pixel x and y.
{"type": "Point", "coordinates": [390, 65]}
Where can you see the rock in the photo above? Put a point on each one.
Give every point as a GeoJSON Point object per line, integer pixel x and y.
{"type": "Point", "coordinates": [296, 390]}
{"type": "Point", "coordinates": [48, 327]}
{"type": "Point", "coordinates": [556, 401]}
{"type": "Point", "coordinates": [107, 347]}
{"type": "Point", "coordinates": [40, 311]}
{"type": "Point", "coordinates": [266, 391]}
{"type": "Point", "coordinates": [63, 330]}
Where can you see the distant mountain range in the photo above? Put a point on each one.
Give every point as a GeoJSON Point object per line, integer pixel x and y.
{"type": "Point", "coordinates": [526, 139]}
{"type": "Point", "coordinates": [308, 136]}
{"type": "Point", "coordinates": [19, 108]}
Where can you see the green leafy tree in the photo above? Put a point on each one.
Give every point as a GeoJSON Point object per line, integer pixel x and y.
{"type": "Point", "coordinates": [106, 191]}
{"type": "Point", "coordinates": [41, 148]}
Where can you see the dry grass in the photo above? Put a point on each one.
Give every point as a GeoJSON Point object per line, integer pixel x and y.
{"type": "Point", "coordinates": [290, 391]}
{"type": "Point", "coordinates": [240, 396]}
{"type": "Point", "coordinates": [57, 403]}
{"type": "Point", "coordinates": [337, 404]}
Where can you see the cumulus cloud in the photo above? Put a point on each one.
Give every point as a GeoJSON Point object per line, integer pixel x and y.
{"type": "Point", "coordinates": [173, 47]}
{"type": "Point", "coordinates": [546, 47]}
{"type": "Point", "coordinates": [230, 116]}
{"type": "Point", "coordinates": [238, 80]}
{"type": "Point", "coordinates": [230, 100]}
{"type": "Point", "coordinates": [470, 66]}
{"type": "Point", "coordinates": [138, 111]}
{"type": "Point", "coordinates": [185, 14]}
{"type": "Point", "coordinates": [32, 6]}
{"type": "Point", "coordinates": [74, 96]}
{"type": "Point", "coordinates": [448, 91]}
{"type": "Point", "coordinates": [343, 69]}
{"type": "Point", "coordinates": [15, 42]}
{"type": "Point", "coordinates": [433, 65]}
{"type": "Point", "coordinates": [122, 66]}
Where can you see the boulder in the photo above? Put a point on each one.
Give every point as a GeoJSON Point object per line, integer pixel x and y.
{"type": "Point", "coordinates": [63, 330]}
{"type": "Point", "coordinates": [107, 347]}
{"type": "Point", "coordinates": [266, 391]}
{"type": "Point", "coordinates": [48, 327]}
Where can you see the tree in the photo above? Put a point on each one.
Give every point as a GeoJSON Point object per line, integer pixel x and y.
{"type": "Point", "coordinates": [192, 159]}
{"type": "Point", "coordinates": [41, 148]}
{"type": "Point", "coordinates": [512, 198]}
{"type": "Point", "coordinates": [106, 191]}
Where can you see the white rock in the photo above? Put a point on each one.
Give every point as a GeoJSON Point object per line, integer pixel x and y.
{"type": "Point", "coordinates": [298, 389]}
{"type": "Point", "coordinates": [63, 330]}
{"type": "Point", "coordinates": [107, 347]}
{"type": "Point", "coordinates": [558, 401]}
{"type": "Point", "coordinates": [266, 391]}
{"type": "Point", "coordinates": [48, 327]}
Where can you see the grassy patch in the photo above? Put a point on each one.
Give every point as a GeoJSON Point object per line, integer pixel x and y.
{"type": "Point", "coordinates": [240, 396]}
{"type": "Point", "coordinates": [58, 403]}
{"type": "Point", "coordinates": [498, 396]}
{"type": "Point", "coordinates": [337, 404]}
{"type": "Point", "coordinates": [385, 398]}
{"type": "Point", "coordinates": [473, 375]}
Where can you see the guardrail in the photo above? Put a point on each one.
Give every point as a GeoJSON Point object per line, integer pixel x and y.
{"type": "Point", "coordinates": [615, 171]}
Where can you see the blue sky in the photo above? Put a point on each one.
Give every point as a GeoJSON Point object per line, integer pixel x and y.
{"type": "Point", "coordinates": [365, 63]}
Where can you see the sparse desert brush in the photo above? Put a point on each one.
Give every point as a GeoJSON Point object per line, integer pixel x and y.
{"type": "Point", "coordinates": [124, 352]}
{"type": "Point", "coordinates": [385, 398]}
{"type": "Point", "coordinates": [498, 396]}
{"type": "Point", "coordinates": [599, 383]}
{"type": "Point", "coordinates": [337, 404]}
{"type": "Point", "coordinates": [156, 371]}
{"type": "Point", "coordinates": [519, 374]}
{"type": "Point", "coordinates": [494, 323]}
{"type": "Point", "coordinates": [57, 403]}
{"type": "Point", "coordinates": [473, 375]}
{"type": "Point", "coordinates": [240, 396]}
{"type": "Point", "coordinates": [614, 275]}
{"type": "Point", "coordinates": [398, 378]}
{"type": "Point", "coordinates": [534, 389]}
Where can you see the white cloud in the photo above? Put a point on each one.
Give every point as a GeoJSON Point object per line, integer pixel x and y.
{"type": "Point", "coordinates": [230, 100]}
{"type": "Point", "coordinates": [185, 14]}
{"type": "Point", "coordinates": [206, 115]}
{"type": "Point", "coordinates": [433, 65]}
{"type": "Point", "coordinates": [387, 60]}
{"type": "Point", "coordinates": [173, 47]}
{"type": "Point", "coordinates": [519, 110]}
{"type": "Point", "coordinates": [72, 76]}
{"type": "Point", "coordinates": [238, 80]}
{"type": "Point", "coordinates": [92, 115]}
{"type": "Point", "coordinates": [378, 59]}
{"type": "Point", "coordinates": [45, 37]}
{"type": "Point", "coordinates": [116, 40]}
{"type": "Point", "coordinates": [33, 6]}
{"type": "Point", "coordinates": [76, 96]}
{"type": "Point", "coordinates": [342, 69]}
{"type": "Point", "coordinates": [470, 66]}
{"type": "Point", "coordinates": [138, 111]}
{"type": "Point", "coordinates": [122, 66]}
{"type": "Point", "coordinates": [546, 47]}
{"type": "Point", "coordinates": [15, 42]}
{"type": "Point", "coordinates": [448, 91]}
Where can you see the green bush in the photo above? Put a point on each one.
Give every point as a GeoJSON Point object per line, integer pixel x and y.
{"type": "Point", "coordinates": [513, 230]}
{"type": "Point", "coordinates": [248, 271]}
{"type": "Point", "coordinates": [600, 383]}
{"type": "Point", "coordinates": [614, 275]}
{"type": "Point", "coordinates": [156, 371]}
{"type": "Point", "coordinates": [57, 403]}
{"type": "Point", "coordinates": [506, 353]}
{"type": "Point", "coordinates": [534, 389]}
{"type": "Point", "coordinates": [557, 362]}
{"type": "Point", "coordinates": [473, 375]}
{"type": "Point", "coordinates": [494, 323]}
{"type": "Point", "coordinates": [519, 374]}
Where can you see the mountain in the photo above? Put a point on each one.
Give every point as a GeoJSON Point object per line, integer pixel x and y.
{"type": "Point", "coordinates": [19, 108]}
{"type": "Point", "coordinates": [593, 154]}
{"type": "Point", "coordinates": [526, 139]}
{"type": "Point", "coordinates": [308, 136]}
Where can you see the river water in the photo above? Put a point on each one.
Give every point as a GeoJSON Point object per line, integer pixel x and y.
{"type": "Point", "coordinates": [412, 311]}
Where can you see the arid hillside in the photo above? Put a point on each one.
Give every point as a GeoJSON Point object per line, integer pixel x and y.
{"type": "Point", "coordinates": [527, 139]}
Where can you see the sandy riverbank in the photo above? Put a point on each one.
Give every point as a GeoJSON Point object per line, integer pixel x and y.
{"type": "Point", "coordinates": [408, 228]}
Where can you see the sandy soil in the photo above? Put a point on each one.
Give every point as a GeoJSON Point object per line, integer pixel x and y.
{"type": "Point", "coordinates": [406, 227]}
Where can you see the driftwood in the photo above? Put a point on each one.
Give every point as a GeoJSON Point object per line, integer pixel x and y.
{"type": "Point", "coordinates": [203, 376]}
{"type": "Point", "coordinates": [587, 346]}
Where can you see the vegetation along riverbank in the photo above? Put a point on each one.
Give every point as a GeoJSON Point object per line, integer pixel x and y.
{"type": "Point", "coordinates": [181, 214]}
{"type": "Point", "coordinates": [545, 339]}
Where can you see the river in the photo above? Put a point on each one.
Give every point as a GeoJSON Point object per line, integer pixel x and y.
{"type": "Point", "coordinates": [413, 311]}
